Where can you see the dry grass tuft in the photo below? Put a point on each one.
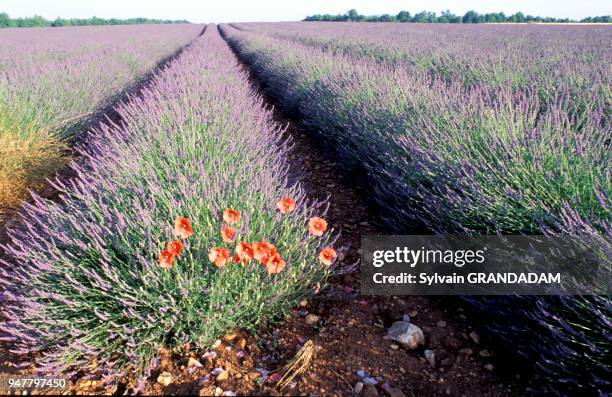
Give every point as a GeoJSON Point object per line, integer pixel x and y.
{"type": "Point", "coordinates": [298, 365]}
{"type": "Point", "coordinates": [26, 159]}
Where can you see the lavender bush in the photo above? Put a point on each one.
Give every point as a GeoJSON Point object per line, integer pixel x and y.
{"type": "Point", "coordinates": [454, 153]}
{"type": "Point", "coordinates": [89, 283]}
{"type": "Point", "coordinates": [51, 79]}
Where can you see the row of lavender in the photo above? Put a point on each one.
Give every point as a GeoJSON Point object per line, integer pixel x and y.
{"type": "Point", "coordinates": [445, 156]}
{"type": "Point", "coordinates": [179, 228]}
{"type": "Point", "coordinates": [51, 79]}
{"type": "Point", "coordinates": [550, 60]}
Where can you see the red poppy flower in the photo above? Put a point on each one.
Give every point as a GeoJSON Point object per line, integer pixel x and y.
{"type": "Point", "coordinates": [236, 258]}
{"type": "Point", "coordinates": [275, 264]}
{"type": "Point", "coordinates": [219, 256]}
{"type": "Point", "coordinates": [182, 228]}
{"type": "Point", "coordinates": [231, 216]}
{"type": "Point", "coordinates": [286, 205]}
{"type": "Point", "coordinates": [228, 234]}
{"type": "Point", "coordinates": [262, 251]}
{"type": "Point", "coordinates": [244, 251]}
{"type": "Point", "coordinates": [175, 247]}
{"type": "Point", "coordinates": [165, 259]}
{"type": "Point", "coordinates": [317, 226]}
{"type": "Point", "coordinates": [327, 255]}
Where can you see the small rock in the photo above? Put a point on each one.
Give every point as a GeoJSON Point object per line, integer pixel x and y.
{"type": "Point", "coordinates": [209, 355]}
{"type": "Point", "coordinates": [194, 363]}
{"type": "Point", "coordinates": [467, 351]}
{"type": "Point", "coordinates": [475, 337]}
{"type": "Point", "coordinates": [489, 367]}
{"type": "Point", "coordinates": [311, 319]}
{"type": "Point", "coordinates": [304, 303]}
{"type": "Point", "coordinates": [264, 372]}
{"type": "Point", "coordinates": [253, 375]}
{"type": "Point", "coordinates": [165, 378]}
{"type": "Point", "coordinates": [361, 373]}
{"type": "Point", "coordinates": [413, 313]}
{"type": "Point", "coordinates": [408, 335]}
{"type": "Point", "coordinates": [223, 375]}
{"type": "Point", "coordinates": [205, 391]}
{"type": "Point", "coordinates": [228, 393]}
{"type": "Point", "coordinates": [370, 391]}
{"type": "Point", "coordinates": [370, 381]}
{"type": "Point", "coordinates": [402, 370]}
{"type": "Point", "coordinates": [484, 353]}
{"type": "Point", "coordinates": [441, 324]}
{"type": "Point", "coordinates": [275, 377]}
{"type": "Point", "coordinates": [216, 344]}
{"type": "Point", "coordinates": [430, 357]}
{"type": "Point", "coordinates": [364, 223]}
{"type": "Point", "coordinates": [394, 346]}
{"type": "Point", "coordinates": [406, 318]}
{"type": "Point", "coordinates": [358, 387]}
{"type": "Point", "coordinates": [218, 391]}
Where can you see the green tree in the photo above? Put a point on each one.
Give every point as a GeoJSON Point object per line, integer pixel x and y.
{"type": "Point", "coordinates": [5, 20]}
{"type": "Point", "coordinates": [352, 15]}
{"type": "Point", "coordinates": [403, 16]}
{"type": "Point", "coordinates": [471, 17]}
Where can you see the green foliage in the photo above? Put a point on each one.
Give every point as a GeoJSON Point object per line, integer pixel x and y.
{"type": "Point", "coordinates": [448, 17]}
{"type": "Point", "coordinates": [37, 21]}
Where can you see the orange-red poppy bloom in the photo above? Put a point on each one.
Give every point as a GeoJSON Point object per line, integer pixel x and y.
{"type": "Point", "coordinates": [262, 251]}
{"type": "Point", "coordinates": [327, 255]}
{"type": "Point", "coordinates": [182, 228]}
{"type": "Point", "coordinates": [275, 264]}
{"type": "Point", "coordinates": [236, 258]}
{"type": "Point", "coordinates": [317, 226]}
{"type": "Point", "coordinates": [175, 247]}
{"type": "Point", "coordinates": [165, 259]}
{"type": "Point", "coordinates": [228, 234]}
{"type": "Point", "coordinates": [231, 216]}
{"type": "Point", "coordinates": [286, 205]}
{"type": "Point", "coordinates": [219, 256]}
{"type": "Point", "coordinates": [244, 251]}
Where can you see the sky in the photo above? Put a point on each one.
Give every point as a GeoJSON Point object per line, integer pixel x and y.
{"type": "Point", "coordinates": [289, 10]}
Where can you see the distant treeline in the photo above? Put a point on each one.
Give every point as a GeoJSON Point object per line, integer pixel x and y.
{"type": "Point", "coordinates": [447, 17]}
{"type": "Point", "coordinates": [38, 21]}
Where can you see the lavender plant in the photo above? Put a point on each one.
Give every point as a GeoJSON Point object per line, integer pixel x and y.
{"type": "Point", "coordinates": [60, 78]}
{"type": "Point", "coordinates": [449, 153]}
{"type": "Point", "coordinates": [91, 282]}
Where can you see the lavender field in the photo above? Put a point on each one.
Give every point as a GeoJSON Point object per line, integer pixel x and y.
{"type": "Point", "coordinates": [468, 130]}
{"type": "Point", "coordinates": [49, 86]}
{"type": "Point", "coordinates": [182, 224]}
